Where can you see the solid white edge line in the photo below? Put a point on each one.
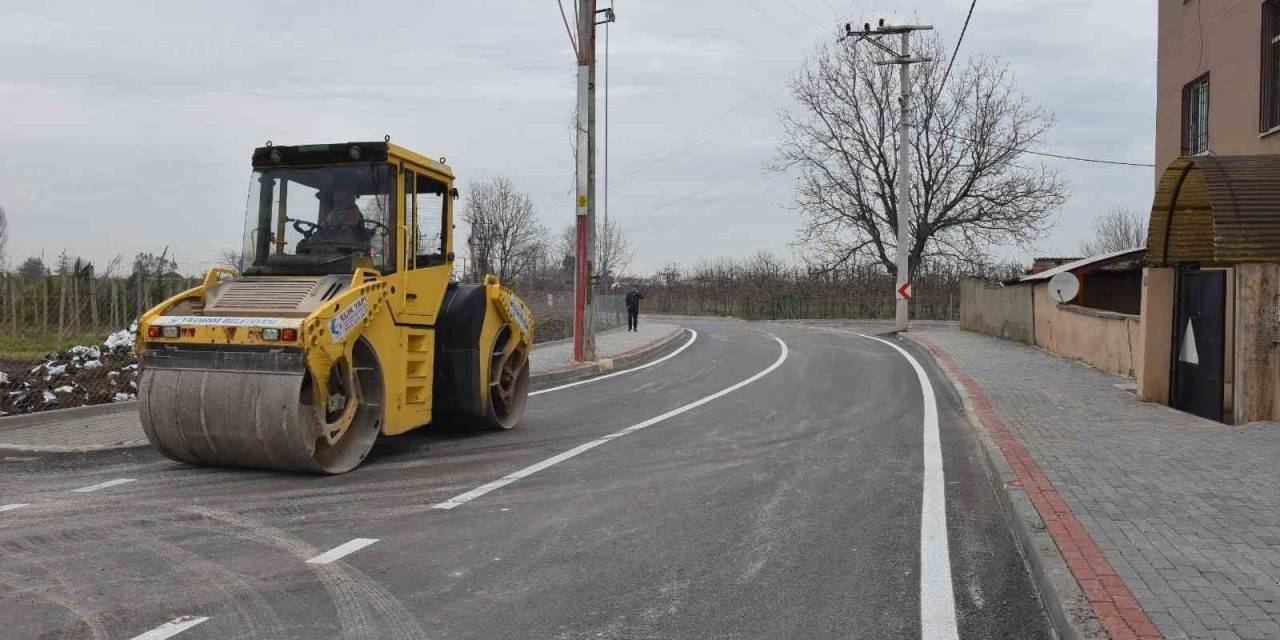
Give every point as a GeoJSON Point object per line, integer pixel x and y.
{"type": "Point", "coordinates": [624, 371]}
{"type": "Point", "coordinates": [342, 550]}
{"type": "Point", "coordinates": [15, 505]}
{"type": "Point", "coordinates": [937, 596]}
{"type": "Point", "coordinates": [171, 628]}
{"type": "Point", "coordinates": [104, 485]}
{"type": "Point", "coordinates": [464, 498]}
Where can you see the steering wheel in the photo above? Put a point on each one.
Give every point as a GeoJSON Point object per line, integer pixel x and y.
{"type": "Point", "coordinates": [299, 224]}
{"type": "Point", "coordinates": [376, 225]}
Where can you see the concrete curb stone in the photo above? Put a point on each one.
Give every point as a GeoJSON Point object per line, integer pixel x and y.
{"type": "Point", "coordinates": [1068, 607]}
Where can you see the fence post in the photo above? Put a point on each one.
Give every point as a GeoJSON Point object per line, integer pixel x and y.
{"type": "Point", "coordinates": [62, 308]}
{"type": "Point", "coordinates": [93, 303]}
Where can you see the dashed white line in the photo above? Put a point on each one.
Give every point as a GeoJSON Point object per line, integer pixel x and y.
{"type": "Point", "coordinates": [624, 371]}
{"type": "Point", "coordinates": [587, 446]}
{"type": "Point", "coordinates": [937, 598]}
{"type": "Point", "coordinates": [105, 485]}
{"type": "Point", "coordinates": [342, 550]}
{"type": "Point", "coordinates": [171, 628]}
{"type": "Point", "coordinates": [16, 505]}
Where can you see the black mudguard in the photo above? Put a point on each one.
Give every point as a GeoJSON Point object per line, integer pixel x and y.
{"type": "Point", "coordinates": [457, 381]}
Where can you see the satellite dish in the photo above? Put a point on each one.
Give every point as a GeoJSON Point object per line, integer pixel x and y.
{"type": "Point", "coordinates": [1064, 287]}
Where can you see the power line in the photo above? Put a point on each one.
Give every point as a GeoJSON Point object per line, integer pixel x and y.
{"type": "Point", "coordinates": [573, 43]}
{"type": "Point", "coordinates": [956, 50]}
{"type": "Point", "coordinates": [1046, 154]}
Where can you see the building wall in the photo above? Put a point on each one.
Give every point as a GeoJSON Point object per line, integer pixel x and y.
{"type": "Point", "coordinates": [1157, 334]}
{"type": "Point", "coordinates": [1111, 291]}
{"type": "Point", "coordinates": [1231, 54]}
{"type": "Point", "coordinates": [1257, 329]}
{"type": "Point", "coordinates": [1103, 339]}
{"type": "Point", "coordinates": [1003, 312]}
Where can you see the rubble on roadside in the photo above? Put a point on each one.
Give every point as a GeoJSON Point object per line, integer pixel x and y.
{"type": "Point", "coordinates": [79, 376]}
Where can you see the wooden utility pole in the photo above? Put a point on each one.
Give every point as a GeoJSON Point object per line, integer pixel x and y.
{"type": "Point", "coordinates": [904, 60]}
{"type": "Point", "coordinates": [584, 308]}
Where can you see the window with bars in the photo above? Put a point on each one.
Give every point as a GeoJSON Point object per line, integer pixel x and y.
{"type": "Point", "coordinates": [1195, 116]}
{"type": "Point", "coordinates": [1270, 95]}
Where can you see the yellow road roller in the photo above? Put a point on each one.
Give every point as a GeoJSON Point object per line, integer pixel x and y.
{"type": "Point", "coordinates": [342, 323]}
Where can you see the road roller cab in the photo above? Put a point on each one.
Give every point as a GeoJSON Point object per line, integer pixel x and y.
{"type": "Point", "coordinates": [342, 324]}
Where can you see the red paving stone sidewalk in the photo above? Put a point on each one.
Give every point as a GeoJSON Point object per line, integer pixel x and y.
{"type": "Point", "coordinates": [1112, 601]}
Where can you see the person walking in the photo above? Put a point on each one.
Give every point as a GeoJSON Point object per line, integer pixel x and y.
{"type": "Point", "coordinates": [633, 309]}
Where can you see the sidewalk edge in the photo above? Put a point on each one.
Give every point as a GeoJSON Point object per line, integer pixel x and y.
{"type": "Point", "coordinates": [625, 360]}
{"type": "Point", "coordinates": [1064, 601]}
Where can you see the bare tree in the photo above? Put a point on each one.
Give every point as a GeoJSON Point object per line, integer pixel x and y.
{"type": "Point", "coordinates": [505, 236]}
{"type": "Point", "coordinates": [1116, 230]}
{"type": "Point", "coordinates": [230, 258]}
{"type": "Point", "coordinates": [971, 186]}
{"type": "Point", "coordinates": [613, 250]}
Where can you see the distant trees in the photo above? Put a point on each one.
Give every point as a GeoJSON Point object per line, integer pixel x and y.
{"type": "Point", "coordinates": [505, 237]}
{"type": "Point", "coordinates": [613, 251]}
{"type": "Point", "coordinates": [1116, 230]}
{"type": "Point", "coordinates": [32, 269]}
{"type": "Point", "coordinates": [971, 188]}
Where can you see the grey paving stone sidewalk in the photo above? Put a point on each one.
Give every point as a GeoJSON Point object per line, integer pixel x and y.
{"type": "Point", "coordinates": [1187, 510]}
{"type": "Point", "coordinates": [77, 432]}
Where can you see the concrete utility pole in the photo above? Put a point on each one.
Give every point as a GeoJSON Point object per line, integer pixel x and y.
{"type": "Point", "coordinates": [904, 60]}
{"type": "Point", "coordinates": [584, 307]}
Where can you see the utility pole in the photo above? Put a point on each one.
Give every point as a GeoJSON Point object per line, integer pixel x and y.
{"type": "Point", "coordinates": [584, 309]}
{"type": "Point", "coordinates": [904, 60]}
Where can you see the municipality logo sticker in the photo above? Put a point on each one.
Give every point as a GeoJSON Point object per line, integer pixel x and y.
{"type": "Point", "coordinates": [344, 322]}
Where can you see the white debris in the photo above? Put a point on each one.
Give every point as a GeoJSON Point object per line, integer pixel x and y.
{"type": "Point", "coordinates": [53, 372]}
{"type": "Point", "coordinates": [66, 388]}
{"type": "Point", "coordinates": [91, 353]}
{"type": "Point", "coordinates": [122, 397]}
{"type": "Point", "coordinates": [49, 398]}
{"type": "Point", "coordinates": [121, 340]}
{"type": "Point", "coordinates": [92, 364]}
{"type": "Point", "coordinates": [4, 378]}
{"type": "Point", "coordinates": [133, 384]}
{"type": "Point", "coordinates": [113, 374]}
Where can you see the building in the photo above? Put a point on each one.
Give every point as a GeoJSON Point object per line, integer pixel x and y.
{"type": "Point", "coordinates": [1100, 325]}
{"type": "Point", "coordinates": [1217, 78]}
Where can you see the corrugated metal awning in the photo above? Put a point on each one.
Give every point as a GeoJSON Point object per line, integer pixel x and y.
{"type": "Point", "coordinates": [1216, 210]}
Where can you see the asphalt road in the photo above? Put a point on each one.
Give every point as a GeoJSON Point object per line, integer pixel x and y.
{"type": "Point", "coordinates": [672, 502]}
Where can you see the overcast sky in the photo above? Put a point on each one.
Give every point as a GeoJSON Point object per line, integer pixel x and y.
{"type": "Point", "coordinates": [128, 126]}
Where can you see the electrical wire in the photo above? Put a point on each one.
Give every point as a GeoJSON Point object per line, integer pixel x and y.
{"type": "Point", "coordinates": [946, 74]}
{"type": "Point", "coordinates": [1046, 154]}
{"type": "Point", "coordinates": [563, 16]}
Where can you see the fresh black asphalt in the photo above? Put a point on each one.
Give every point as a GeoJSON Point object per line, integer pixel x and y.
{"type": "Point", "coordinates": [787, 509]}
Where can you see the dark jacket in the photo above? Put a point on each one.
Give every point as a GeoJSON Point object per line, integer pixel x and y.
{"type": "Point", "coordinates": [633, 300]}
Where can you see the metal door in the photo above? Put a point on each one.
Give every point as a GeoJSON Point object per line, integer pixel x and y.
{"type": "Point", "coordinates": [1198, 343]}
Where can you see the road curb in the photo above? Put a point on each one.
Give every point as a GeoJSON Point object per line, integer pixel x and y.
{"type": "Point", "coordinates": [1069, 609]}
{"type": "Point", "coordinates": [9, 423]}
{"type": "Point", "coordinates": [626, 360]}
{"type": "Point", "coordinates": [633, 358]}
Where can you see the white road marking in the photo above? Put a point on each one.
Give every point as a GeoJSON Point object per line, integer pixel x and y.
{"type": "Point", "coordinates": [587, 446]}
{"type": "Point", "coordinates": [171, 628]}
{"type": "Point", "coordinates": [16, 505]}
{"type": "Point", "coordinates": [342, 550]}
{"type": "Point", "coordinates": [937, 599]}
{"type": "Point", "coordinates": [105, 485]}
{"type": "Point", "coordinates": [624, 371]}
